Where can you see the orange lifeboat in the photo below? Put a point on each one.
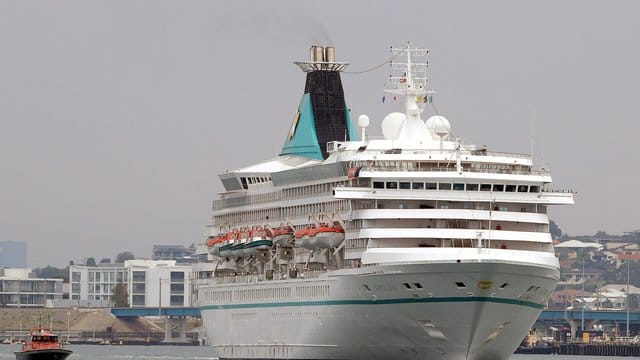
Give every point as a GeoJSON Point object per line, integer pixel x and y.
{"type": "Point", "coordinates": [325, 236]}
{"type": "Point", "coordinates": [214, 244]}
{"type": "Point", "coordinates": [259, 239]}
{"type": "Point", "coordinates": [283, 236]}
{"type": "Point", "coordinates": [228, 242]}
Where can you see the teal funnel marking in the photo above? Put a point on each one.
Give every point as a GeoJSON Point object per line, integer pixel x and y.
{"type": "Point", "coordinates": [302, 139]}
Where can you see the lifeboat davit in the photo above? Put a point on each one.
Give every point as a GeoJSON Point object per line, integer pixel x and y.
{"type": "Point", "coordinates": [214, 244]}
{"type": "Point", "coordinates": [283, 236]}
{"type": "Point", "coordinates": [259, 239]}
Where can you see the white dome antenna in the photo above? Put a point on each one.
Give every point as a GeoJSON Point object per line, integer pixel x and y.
{"type": "Point", "coordinates": [439, 126]}
{"type": "Point", "coordinates": [363, 122]}
{"type": "Point", "coordinates": [391, 125]}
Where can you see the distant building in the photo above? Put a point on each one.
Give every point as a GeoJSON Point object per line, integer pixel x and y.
{"type": "Point", "coordinates": [149, 283]}
{"type": "Point", "coordinates": [179, 253]}
{"type": "Point", "coordinates": [13, 254]}
{"type": "Point", "coordinates": [19, 289]}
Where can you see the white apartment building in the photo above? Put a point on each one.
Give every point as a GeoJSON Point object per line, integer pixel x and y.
{"type": "Point", "coordinates": [150, 283]}
{"type": "Point", "coordinates": [19, 289]}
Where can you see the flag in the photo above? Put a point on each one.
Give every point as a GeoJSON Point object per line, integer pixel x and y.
{"type": "Point", "coordinates": [394, 98]}
{"type": "Point", "coordinates": [383, 99]}
{"type": "Point", "coordinates": [419, 98]}
{"type": "Point", "coordinates": [403, 80]}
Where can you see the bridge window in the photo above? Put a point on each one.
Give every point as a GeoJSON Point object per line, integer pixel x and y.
{"type": "Point", "coordinates": [498, 187]}
{"type": "Point", "coordinates": [472, 187]}
{"type": "Point", "coordinates": [405, 185]}
{"type": "Point", "coordinates": [378, 184]}
{"type": "Point", "coordinates": [445, 186]}
{"type": "Point", "coordinates": [510, 188]}
{"type": "Point", "coordinates": [417, 185]}
{"type": "Point", "coordinates": [485, 187]}
{"type": "Point", "coordinates": [522, 188]}
{"type": "Point", "coordinates": [534, 189]}
{"type": "Point", "coordinates": [458, 186]}
{"type": "Point", "coordinates": [432, 186]}
{"type": "Point", "coordinates": [392, 185]}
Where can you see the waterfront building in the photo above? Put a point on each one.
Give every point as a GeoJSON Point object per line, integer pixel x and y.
{"type": "Point", "coordinates": [149, 282]}
{"type": "Point", "coordinates": [179, 253]}
{"type": "Point", "coordinates": [19, 289]}
{"type": "Point", "coordinates": [13, 254]}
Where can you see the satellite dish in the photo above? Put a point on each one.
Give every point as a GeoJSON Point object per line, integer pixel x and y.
{"type": "Point", "coordinates": [391, 125]}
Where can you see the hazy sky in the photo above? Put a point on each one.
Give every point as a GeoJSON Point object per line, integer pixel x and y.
{"type": "Point", "coordinates": [117, 116]}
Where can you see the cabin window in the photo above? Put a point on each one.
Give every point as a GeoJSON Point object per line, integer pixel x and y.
{"type": "Point", "coordinates": [445, 186]}
{"type": "Point", "coordinates": [472, 187]}
{"type": "Point", "coordinates": [417, 185]}
{"type": "Point", "coordinates": [405, 185]}
{"type": "Point", "coordinates": [485, 187]}
{"type": "Point", "coordinates": [522, 188]}
{"type": "Point", "coordinates": [378, 184]}
{"type": "Point", "coordinates": [458, 186]}
{"type": "Point", "coordinates": [498, 187]}
{"type": "Point", "coordinates": [432, 186]}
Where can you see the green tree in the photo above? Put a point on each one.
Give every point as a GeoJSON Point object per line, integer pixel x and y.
{"type": "Point", "coordinates": [91, 262]}
{"type": "Point", "coordinates": [105, 261]}
{"type": "Point", "coordinates": [120, 295]}
{"type": "Point", "coordinates": [123, 256]}
{"type": "Point", "coordinates": [554, 230]}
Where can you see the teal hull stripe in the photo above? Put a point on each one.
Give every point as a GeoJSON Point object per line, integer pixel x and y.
{"type": "Point", "coordinates": [258, 243]}
{"type": "Point", "coordinates": [378, 302]}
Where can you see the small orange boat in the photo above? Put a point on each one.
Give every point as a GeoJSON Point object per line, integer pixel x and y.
{"type": "Point", "coordinates": [42, 344]}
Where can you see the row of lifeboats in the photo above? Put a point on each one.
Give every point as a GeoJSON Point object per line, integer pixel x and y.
{"type": "Point", "coordinates": [245, 243]}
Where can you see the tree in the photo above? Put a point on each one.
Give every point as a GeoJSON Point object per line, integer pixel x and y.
{"type": "Point", "coordinates": [105, 261]}
{"type": "Point", "coordinates": [123, 256]}
{"type": "Point", "coordinates": [120, 295]}
{"type": "Point", "coordinates": [91, 262]}
{"type": "Point", "coordinates": [554, 230]}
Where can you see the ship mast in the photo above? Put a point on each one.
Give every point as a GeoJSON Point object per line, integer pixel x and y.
{"type": "Point", "coordinates": [411, 83]}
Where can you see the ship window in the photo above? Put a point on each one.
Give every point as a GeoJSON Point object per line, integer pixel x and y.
{"type": "Point", "coordinates": [504, 285]}
{"type": "Point", "coordinates": [417, 285]}
{"type": "Point", "coordinates": [392, 185]}
{"type": "Point", "coordinates": [522, 188]}
{"type": "Point", "coordinates": [458, 186]}
{"type": "Point", "coordinates": [407, 286]}
{"type": "Point", "coordinates": [432, 186]}
{"type": "Point", "coordinates": [417, 185]}
{"type": "Point", "coordinates": [498, 187]}
{"type": "Point", "coordinates": [445, 186]}
{"type": "Point", "coordinates": [378, 184]}
{"type": "Point", "coordinates": [405, 185]}
{"type": "Point", "coordinates": [534, 189]}
{"type": "Point", "coordinates": [510, 188]}
{"type": "Point", "coordinates": [460, 285]}
{"type": "Point", "coordinates": [472, 187]}
{"type": "Point", "coordinates": [366, 287]}
{"type": "Point", "coordinates": [485, 187]}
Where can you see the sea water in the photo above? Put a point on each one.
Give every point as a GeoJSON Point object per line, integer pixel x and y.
{"type": "Point", "coordinates": [115, 352]}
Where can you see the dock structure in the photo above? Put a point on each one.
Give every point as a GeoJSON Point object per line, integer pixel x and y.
{"type": "Point", "coordinates": [175, 317]}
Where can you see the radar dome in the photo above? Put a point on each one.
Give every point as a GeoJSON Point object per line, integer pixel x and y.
{"type": "Point", "coordinates": [439, 125]}
{"type": "Point", "coordinates": [363, 121]}
{"type": "Point", "coordinates": [391, 125]}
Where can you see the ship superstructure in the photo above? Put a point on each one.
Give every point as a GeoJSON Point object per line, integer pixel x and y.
{"type": "Point", "coordinates": [349, 247]}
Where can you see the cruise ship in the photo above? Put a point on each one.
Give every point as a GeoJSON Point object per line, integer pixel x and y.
{"type": "Point", "coordinates": [412, 245]}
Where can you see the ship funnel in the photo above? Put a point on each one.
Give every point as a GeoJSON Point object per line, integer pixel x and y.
{"type": "Point", "coordinates": [317, 54]}
{"type": "Point", "coordinates": [323, 115]}
{"type": "Point", "coordinates": [329, 54]}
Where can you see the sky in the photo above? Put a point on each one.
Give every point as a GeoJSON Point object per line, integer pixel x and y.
{"type": "Point", "coordinates": [117, 116]}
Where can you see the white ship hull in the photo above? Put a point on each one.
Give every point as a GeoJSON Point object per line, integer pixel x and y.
{"type": "Point", "coordinates": [440, 320]}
